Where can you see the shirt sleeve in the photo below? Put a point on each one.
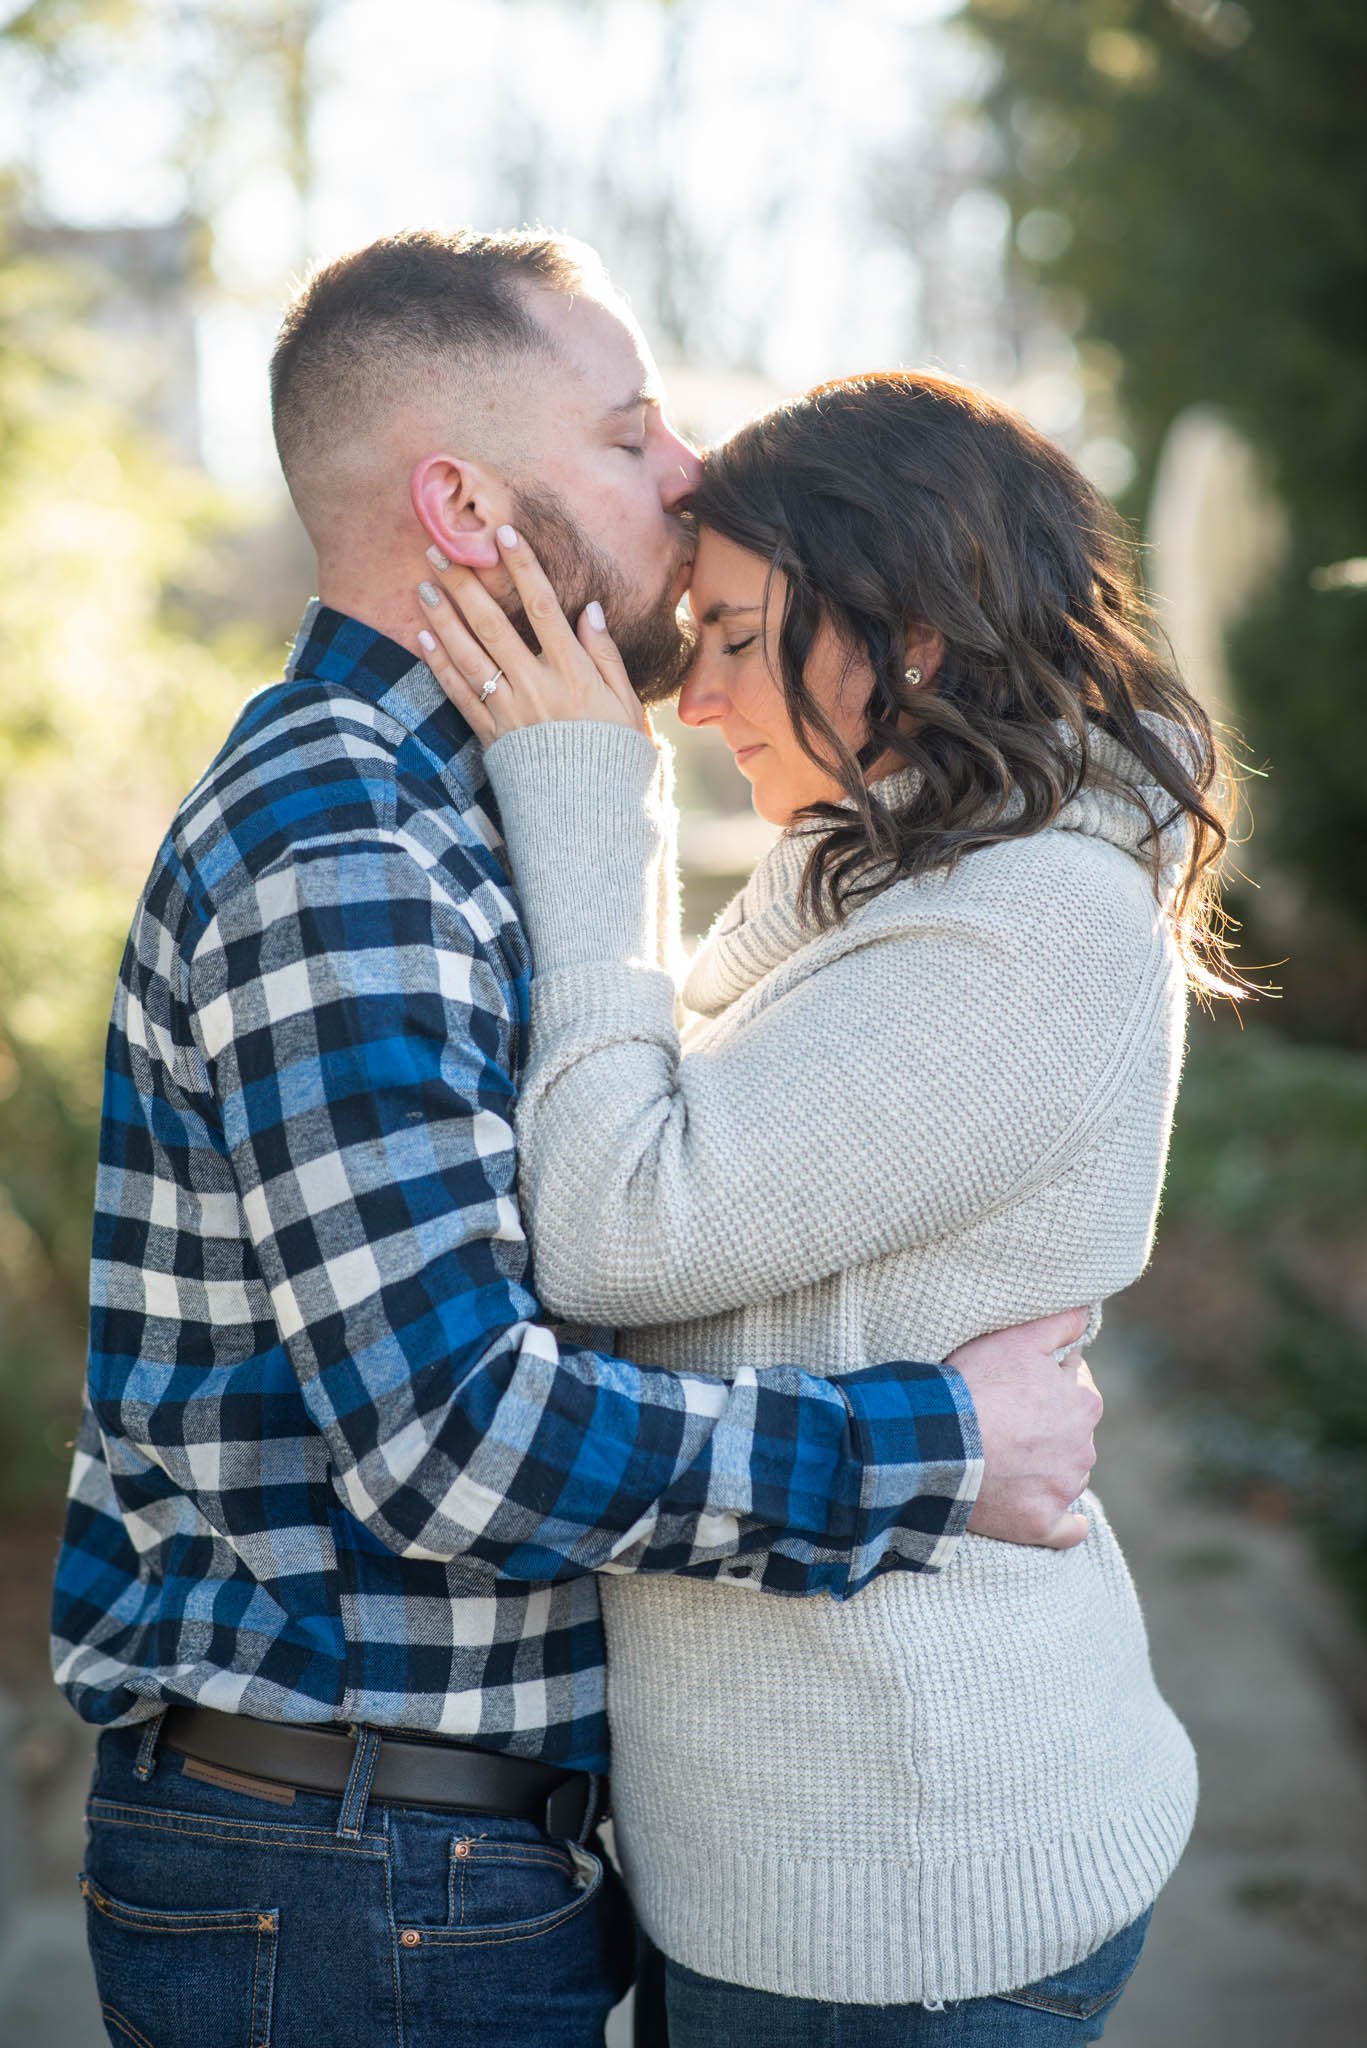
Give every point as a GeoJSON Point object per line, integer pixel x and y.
{"type": "Point", "coordinates": [358, 1027]}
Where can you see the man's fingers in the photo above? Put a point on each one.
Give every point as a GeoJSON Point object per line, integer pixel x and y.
{"type": "Point", "coordinates": [1056, 1333]}
{"type": "Point", "coordinates": [1082, 1375]}
{"type": "Point", "coordinates": [1067, 1533]}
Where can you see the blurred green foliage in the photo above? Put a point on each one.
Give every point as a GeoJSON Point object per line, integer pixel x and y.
{"type": "Point", "coordinates": [1257, 1298]}
{"type": "Point", "coordinates": [1192, 176]}
{"type": "Point", "coordinates": [1188, 180]}
{"type": "Point", "coordinates": [113, 702]}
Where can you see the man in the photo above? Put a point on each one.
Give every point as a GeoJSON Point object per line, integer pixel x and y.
{"type": "Point", "coordinates": [339, 1497]}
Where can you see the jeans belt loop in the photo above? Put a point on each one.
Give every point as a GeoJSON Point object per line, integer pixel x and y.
{"type": "Point", "coordinates": [355, 1799]}
{"type": "Point", "coordinates": [147, 1749]}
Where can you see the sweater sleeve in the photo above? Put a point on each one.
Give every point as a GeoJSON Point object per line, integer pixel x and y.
{"type": "Point", "coordinates": [918, 1078]}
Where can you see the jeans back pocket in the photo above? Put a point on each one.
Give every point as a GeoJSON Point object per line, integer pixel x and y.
{"type": "Point", "coordinates": [182, 1980]}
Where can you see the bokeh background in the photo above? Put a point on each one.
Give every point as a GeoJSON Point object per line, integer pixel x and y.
{"type": "Point", "coordinates": [1144, 222]}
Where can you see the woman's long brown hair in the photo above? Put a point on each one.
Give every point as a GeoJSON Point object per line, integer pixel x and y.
{"type": "Point", "coordinates": [901, 501]}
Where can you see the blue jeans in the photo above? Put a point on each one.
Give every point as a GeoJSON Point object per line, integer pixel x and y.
{"type": "Point", "coordinates": [1058, 2012]}
{"type": "Point", "coordinates": [220, 1919]}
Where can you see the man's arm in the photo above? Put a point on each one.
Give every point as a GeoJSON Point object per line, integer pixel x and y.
{"type": "Point", "coordinates": [356, 1030]}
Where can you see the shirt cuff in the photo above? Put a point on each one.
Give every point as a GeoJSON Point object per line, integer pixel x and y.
{"type": "Point", "coordinates": [916, 1431]}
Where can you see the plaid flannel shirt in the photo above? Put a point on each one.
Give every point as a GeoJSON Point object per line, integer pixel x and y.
{"type": "Point", "coordinates": [331, 1466]}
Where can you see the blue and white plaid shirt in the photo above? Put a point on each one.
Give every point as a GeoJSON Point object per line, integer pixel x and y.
{"type": "Point", "coordinates": [331, 1467]}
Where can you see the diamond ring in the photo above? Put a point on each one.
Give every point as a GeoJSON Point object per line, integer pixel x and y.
{"type": "Point", "coordinates": [495, 679]}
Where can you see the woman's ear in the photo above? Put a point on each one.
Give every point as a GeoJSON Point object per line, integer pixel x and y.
{"type": "Point", "coordinates": [925, 652]}
{"type": "Point", "coordinates": [459, 505]}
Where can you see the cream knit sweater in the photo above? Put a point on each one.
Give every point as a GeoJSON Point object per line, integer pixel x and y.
{"type": "Point", "coordinates": [947, 1115]}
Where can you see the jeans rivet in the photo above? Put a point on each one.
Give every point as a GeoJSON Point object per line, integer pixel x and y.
{"type": "Point", "coordinates": [410, 1937]}
{"type": "Point", "coordinates": [461, 1849]}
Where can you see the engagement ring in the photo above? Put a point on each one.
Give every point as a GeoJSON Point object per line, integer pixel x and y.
{"type": "Point", "coordinates": [495, 679]}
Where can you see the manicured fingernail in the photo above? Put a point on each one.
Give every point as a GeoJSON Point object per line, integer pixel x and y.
{"type": "Point", "coordinates": [437, 558]}
{"type": "Point", "coordinates": [427, 640]}
{"type": "Point", "coordinates": [594, 613]}
{"type": "Point", "coordinates": [429, 593]}
{"type": "Point", "coordinates": [507, 537]}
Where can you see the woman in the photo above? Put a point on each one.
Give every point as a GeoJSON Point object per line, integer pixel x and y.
{"type": "Point", "coordinates": [929, 1094]}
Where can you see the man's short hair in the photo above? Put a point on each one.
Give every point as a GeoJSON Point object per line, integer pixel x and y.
{"type": "Point", "coordinates": [395, 314]}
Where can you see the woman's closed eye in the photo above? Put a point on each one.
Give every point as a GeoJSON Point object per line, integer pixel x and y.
{"type": "Point", "coordinates": [739, 646]}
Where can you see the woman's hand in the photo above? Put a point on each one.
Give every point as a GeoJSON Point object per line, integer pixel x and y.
{"type": "Point", "coordinates": [469, 641]}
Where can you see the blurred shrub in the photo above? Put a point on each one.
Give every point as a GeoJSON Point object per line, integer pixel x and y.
{"type": "Point", "coordinates": [1256, 1303]}
{"type": "Point", "coordinates": [112, 705]}
{"type": "Point", "coordinates": [1189, 183]}
{"type": "Point", "coordinates": [1202, 168]}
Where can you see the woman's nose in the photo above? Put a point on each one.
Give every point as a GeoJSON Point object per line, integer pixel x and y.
{"type": "Point", "coordinates": [702, 700]}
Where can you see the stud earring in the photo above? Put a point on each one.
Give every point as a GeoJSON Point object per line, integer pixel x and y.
{"type": "Point", "coordinates": [912, 678]}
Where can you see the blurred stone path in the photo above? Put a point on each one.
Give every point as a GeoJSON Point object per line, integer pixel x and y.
{"type": "Point", "coordinates": [1261, 1938]}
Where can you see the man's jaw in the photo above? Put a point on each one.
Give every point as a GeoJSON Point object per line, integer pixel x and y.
{"type": "Point", "coordinates": [652, 637]}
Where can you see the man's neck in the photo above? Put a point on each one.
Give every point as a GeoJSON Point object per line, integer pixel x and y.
{"type": "Point", "coordinates": [384, 609]}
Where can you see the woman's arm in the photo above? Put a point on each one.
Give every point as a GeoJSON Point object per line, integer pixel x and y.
{"type": "Point", "coordinates": [913, 1082]}
{"type": "Point", "coordinates": [926, 1073]}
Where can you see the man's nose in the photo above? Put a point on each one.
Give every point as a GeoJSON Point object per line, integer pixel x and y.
{"type": "Point", "coordinates": [680, 470]}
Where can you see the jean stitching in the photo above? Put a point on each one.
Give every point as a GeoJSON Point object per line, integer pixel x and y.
{"type": "Point", "coordinates": [357, 1796]}
{"type": "Point", "coordinates": [393, 1949]}
{"type": "Point", "coordinates": [525, 1930]}
{"type": "Point", "coordinates": [229, 1920]}
{"type": "Point", "coordinates": [267, 1831]}
{"type": "Point", "coordinates": [146, 1760]}
{"type": "Point", "coordinates": [516, 1852]}
{"type": "Point", "coordinates": [256, 1978]}
{"type": "Point", "coordinates": [260, 2019]}
{"type": "Point", "coordinates": [1062, 2007]}
{"type": "Point", "coordinates": [125, 2026]}
{"type": "Point", "coordinates": [333, 1845]}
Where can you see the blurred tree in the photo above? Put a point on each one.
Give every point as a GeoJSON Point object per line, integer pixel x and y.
{"type": "Point", "coordinates": [116, 691]}
{"type": "Point", "coordinates": [1189, 177]}
{"type": "Point", "coordinates": [239, 74]}
{"type": "Point", "coordinates": [1195, 171]}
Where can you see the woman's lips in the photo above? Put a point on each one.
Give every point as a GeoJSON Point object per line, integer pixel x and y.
{"type": "Point", "coordinates": [743, 754]}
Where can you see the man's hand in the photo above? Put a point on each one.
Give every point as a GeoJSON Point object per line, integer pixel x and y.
{"type": "Point", "coordinates": [1036, 1419]}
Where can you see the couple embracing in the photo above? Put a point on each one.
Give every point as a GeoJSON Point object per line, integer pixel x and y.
{"type": "Point", "coordinates": [383, 1546]}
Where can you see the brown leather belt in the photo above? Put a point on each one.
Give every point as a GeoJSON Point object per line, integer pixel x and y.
{"type": "Point", "coordinates": [408, 1771]}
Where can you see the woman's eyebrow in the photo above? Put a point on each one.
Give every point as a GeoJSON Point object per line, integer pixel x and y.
{"type": "Point", "coordinates": [715, 613]}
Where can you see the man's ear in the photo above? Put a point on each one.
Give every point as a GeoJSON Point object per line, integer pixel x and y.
{"type": "Point", "coordinates": [459, 505]}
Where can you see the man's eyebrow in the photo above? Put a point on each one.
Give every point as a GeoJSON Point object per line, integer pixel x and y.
{"type": "Point", "coordinates": [644, 396]}
{"type": "Point", "coordinates": [715, 613]}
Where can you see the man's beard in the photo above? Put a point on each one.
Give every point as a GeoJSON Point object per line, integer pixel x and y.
{"type": "Point", "coordinates": [654, 641]}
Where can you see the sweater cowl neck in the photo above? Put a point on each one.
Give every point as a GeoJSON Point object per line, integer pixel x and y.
{"type": "Point", "coordinates": [762, 925]}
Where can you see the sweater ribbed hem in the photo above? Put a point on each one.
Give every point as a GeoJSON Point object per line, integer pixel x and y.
{"type": "Point", "coordinates": [878, 1933]}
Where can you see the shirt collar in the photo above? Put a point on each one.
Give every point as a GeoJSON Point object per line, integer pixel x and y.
{"type": "Point", "coordinates": [334, 648]}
